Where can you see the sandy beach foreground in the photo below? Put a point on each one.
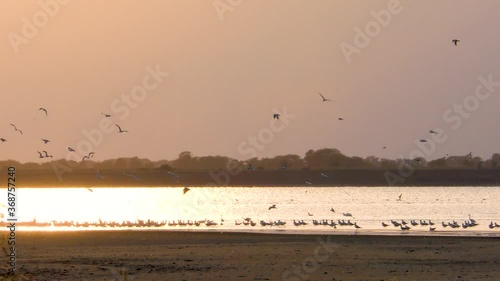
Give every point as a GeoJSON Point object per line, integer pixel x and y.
{"type": "Point", "coordinates": [160, 255]}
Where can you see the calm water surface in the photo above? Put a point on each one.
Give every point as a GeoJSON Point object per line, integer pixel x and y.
{"type": "Point", "coordinates": [369, 206]}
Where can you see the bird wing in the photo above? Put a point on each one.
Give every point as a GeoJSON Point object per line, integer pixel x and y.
{"type": "Point", "coordinates": [118, 127]}
{"type": "Point", "coordinates": [321, 96]}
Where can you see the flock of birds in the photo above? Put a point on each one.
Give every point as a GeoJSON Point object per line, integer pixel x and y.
{"type": "Point", "coordinates": [43, 153]}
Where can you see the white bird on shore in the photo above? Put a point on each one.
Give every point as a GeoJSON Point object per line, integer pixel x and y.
{"type": "Point", "coordinates": [309, 183]}
{"type": "Point", "coordinates": [323, 175]}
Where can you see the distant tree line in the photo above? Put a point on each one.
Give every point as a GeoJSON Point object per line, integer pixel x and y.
{"type": "Point", "coordinates": [321, 159]}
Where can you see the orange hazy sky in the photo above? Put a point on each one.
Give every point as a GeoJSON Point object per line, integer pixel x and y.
{"type": "Point", "coordinates": [232, 64]}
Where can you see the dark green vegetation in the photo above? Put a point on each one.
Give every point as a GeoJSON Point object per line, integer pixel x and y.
{"type": "Point", "coordinates": [324, 167]}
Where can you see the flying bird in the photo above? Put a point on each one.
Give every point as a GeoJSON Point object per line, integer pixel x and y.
{"type": "Point", "coordinates": [46, 154]}
{"type": "Point", "coordinates": [276, 116]}
{"type": "Point", "coordinates": [98, 175]}
{"type": "Point", "coordinates": [174, 176]}
{"type": "Point", "coordinates": [132, 176]}
{"type": "Point", "coordinates": [120, 130]}
{"type": "Point", "coordinates": [41, 156]}
{"type": "Point", "coordinates": [272, 207]}
{"type": "Point", "coordinates": [45, 110]}
{"type": "Point", "coordinates": [384, 147]}
{"type": "Point", "coordinates": [45, 141]}
{"type": "Point", "coordinates": [423, 140]}
{"type": "Point", "coordinates": [185, 190]}
{"type": "Point", "coordinates": [85, 157]}
{"type": "Point", "coordinates": [3, 140]}
{"type": "Point", "coordinates": [433, 132]}
{"type": "Point", "coordinates": [340, 119]}
{"type": "Point", "coordinates": [106, 115]}
{"type": "Point", "coordinates": [309, 214]}
{"type": "Point", "coordinates": [455, 41]}
{"type": "Point", "coordinates": [15, 128]}
{"type": "Point", "coordinates": [71, 149]}
{"type": "Point", "coordinates": [324, 99]}
{"type": "Point", "coordinates": [91, 154]}
{"type": "Point", "coordinates": [332, 210]}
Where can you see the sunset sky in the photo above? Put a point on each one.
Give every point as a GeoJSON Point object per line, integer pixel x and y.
{"type": "Point", "coordinates": [232, 64]}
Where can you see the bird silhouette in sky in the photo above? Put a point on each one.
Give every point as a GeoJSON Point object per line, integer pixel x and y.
{"type": "Point", "coordinates": [185, 190]}
{"type": "Point", "coordinates": [276, 116]}
{"type": "Point", "coordinates": [120, 130]}
{"type": "Point", "coordinates": [323, 97]}
{"type": "Point", "coordinates": [272, 207]}
{"type": "Point", "coordinates": [45, 110]}
{"type": "Point", "coordinates": [455, 41]}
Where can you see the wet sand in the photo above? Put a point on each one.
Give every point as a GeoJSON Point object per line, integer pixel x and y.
{"type": "Point", "coordinates": [160, 255]}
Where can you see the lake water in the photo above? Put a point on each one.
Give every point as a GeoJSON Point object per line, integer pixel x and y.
{"type": "Point", "coordinates": [369, 206]}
